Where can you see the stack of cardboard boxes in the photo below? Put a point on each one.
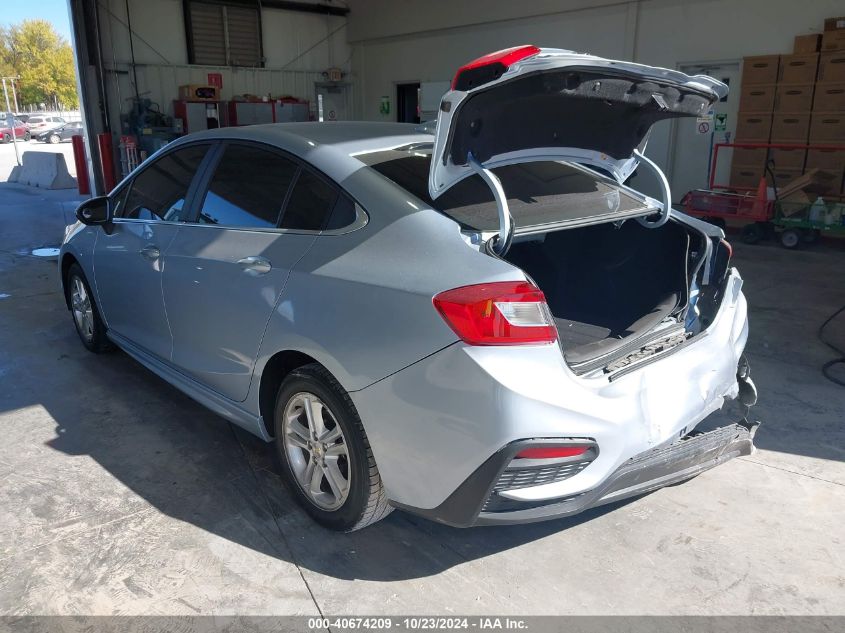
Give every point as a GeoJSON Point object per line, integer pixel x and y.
{"type": "Point", "coordinates": [796, 99]}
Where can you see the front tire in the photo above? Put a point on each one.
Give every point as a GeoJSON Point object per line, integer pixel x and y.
{"type": "Point", "coordinates": [27, 136]}
{"type": "Point", "coordinates": [324, 454]}
{"type": "Point", "coordinates": [86, 314]}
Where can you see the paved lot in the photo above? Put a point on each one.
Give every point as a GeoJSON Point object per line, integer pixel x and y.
{"type": "Point", "coordinates": [8, 161]}
{"type": "Point", "coordinates": [119, 495]}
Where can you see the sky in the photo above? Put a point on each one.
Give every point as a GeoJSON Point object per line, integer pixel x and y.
{"type": "Point", "coordinates": [54, 11]}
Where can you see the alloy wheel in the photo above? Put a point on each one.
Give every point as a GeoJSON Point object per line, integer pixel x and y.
{"type": "Point", "coordinates": [316, 451]}
{"type": "Point", "coordinates": [83, 312]}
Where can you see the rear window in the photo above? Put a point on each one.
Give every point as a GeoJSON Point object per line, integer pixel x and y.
{"type": "Point", "coordinates": [538, 192]}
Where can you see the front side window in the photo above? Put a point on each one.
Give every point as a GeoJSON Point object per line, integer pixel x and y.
{"type": "Point", "coordinates": [159, 192]}
{"type": "Point", "coordinates": [248, 188]}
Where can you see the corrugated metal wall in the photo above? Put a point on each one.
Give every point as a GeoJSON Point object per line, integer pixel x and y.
{"type": "Point", "coordinates": [298, 47]}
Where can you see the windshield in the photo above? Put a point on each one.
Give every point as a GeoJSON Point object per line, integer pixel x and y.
{"type": "Point", "coordinates": [538, 192]}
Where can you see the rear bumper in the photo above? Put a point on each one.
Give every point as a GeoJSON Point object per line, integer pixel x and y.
{"type": "Point", "coordinates": [475, 503]}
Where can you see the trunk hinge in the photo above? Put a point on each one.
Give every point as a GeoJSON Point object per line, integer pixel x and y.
{"type": "Point", "coordinates": [503, 239]}
{"type": "Point", "coordinates": [667, 193]}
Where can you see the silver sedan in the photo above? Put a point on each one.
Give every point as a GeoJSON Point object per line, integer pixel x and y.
{"type": "Point", "coordinates": [477, 322]}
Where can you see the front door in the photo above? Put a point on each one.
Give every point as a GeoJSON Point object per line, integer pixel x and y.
{"type": "Point", "coordinates": [694, 138]}
{"type": "Point", "coordinates": [228, 267]}
{"type": "Point", "coordinates": [129, 259]}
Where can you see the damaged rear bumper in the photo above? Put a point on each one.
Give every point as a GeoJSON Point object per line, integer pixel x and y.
{"type": "Point", "coordinates": [475, 503]}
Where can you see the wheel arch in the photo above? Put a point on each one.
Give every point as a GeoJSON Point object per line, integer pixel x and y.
{"type": "Point", "coordinates": [275, 370]}
{"type": "Point", "coordinates": [68, 260]}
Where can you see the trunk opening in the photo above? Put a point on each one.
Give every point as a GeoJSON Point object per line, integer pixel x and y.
{"type": "Point", "coordinates": [612, 288]}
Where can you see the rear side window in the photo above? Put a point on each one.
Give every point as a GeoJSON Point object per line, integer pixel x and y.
{"type": "Point", "coordinates": [311, 202]}
{"type": "Point", "coordinates": [158, 192]}
{"type": "Point", "coordinates": [248, 188]}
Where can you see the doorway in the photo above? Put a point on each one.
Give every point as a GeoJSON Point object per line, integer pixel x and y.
{"type": "Point", "coordinates": [691, 149]}
{"type": "Point", "coordinates": [408, 103]}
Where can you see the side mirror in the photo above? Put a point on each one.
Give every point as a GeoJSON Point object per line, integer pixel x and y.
{"type": "Point", "coordinates": [95, 212]}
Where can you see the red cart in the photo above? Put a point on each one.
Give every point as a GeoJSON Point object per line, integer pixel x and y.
{"type": "Point", "coordinates": [720, 203]}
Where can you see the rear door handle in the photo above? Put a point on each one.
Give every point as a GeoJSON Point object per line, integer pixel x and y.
{"type": "Point", "coordinates": [255, 265]}
{"type": "Point", "coordinates": [151, 252]}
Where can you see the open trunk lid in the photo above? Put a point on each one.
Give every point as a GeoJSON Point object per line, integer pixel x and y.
{"type": "Point", "coordinates": [530, 104]}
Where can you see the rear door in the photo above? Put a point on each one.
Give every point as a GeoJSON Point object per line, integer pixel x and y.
{"type": "Point", "coordinates": [530, 104]}
{"type": "Point", "coordinates": [227, 269]}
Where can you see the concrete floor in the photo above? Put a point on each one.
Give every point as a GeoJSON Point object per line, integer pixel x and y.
{"type": "Point", "coordinates": [120, 495]}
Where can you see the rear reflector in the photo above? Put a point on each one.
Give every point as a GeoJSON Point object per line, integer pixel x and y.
{"type": "Point", "coordinates": [551, 452]}
{"type": "Point", "coordinates": [500, 313]}
{"type": "Point", "coordinates": [489, 67]}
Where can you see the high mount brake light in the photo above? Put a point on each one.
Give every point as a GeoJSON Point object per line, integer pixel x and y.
{"type": "Point", "coordinates": [551, 452]}
{"type": "Point", "coordinates": [490, 67]}
{"type": "Point", "coordinates": [499, 313]}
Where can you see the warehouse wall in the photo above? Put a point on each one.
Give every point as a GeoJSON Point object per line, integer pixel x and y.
{"type": "Point", "coordinates": [416, 40]}
{"type": "Point", "coordinates": [298, 47]}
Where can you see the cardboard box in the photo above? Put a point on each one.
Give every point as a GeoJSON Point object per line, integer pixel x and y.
{"type": "Point", "coordinates": [833, 40]}
{"type": "Point", "coordinates": [753, 126]}
{"type": "Point", "coordinates": [830, 159]}
{"type": "Point", "coordinates": [798, 69]}
{"type": "Point", "coordinates": [807, 43]}
{"type": "Point", "coordinates": [761, 69]}
{"type": "Point", "coordinates": [829, 97]}
{"type": "Point", "coordinates": [828, 182]}
{"type": "Point", "coordinates": [831, 67]}
{"type": "Point", "coordinates": [832, 24]}
{"type": "Point", "coordinates": [758, 98]}
{"type": "Point", "coordinates": [791, 127]}
{"type": "Point", "coordinates": [788, 157]}
{"type": "Point", "coordinates": [793, 97]}
{"type": "Point", "coordinates": [782, 175]}
{"type": "Point", "coordinates": [749, 155]}
{"type": "Point", "coordinates": [828, 127]}
{"type": "Point", "coordinates": [746, 176]}
{"type": "Point", "coordinates": [199, 92]}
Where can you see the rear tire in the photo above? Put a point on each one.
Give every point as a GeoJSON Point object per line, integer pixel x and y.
{"type": "Point", "coordinates": [325, 457]}
{"type": "Point", "coordinates": [53, 139]}
{"type": "Point", "coordinates": [27, 136]}
{"type": "Point", "coordinates": [790, 239]}
{"type": "Point", "coordinates": [7, 138]}
{"type": "Point", "coordinates": [751, 233]}
{"type": "Point", "coordinates": [86, 314]}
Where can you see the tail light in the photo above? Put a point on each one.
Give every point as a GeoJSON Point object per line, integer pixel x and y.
{"type": "Point", "coordinates": [728, 248]}
{"type": "Point", "coordinates": [499, 313]}
{"type": "Point", "coordinates": [490, 67]}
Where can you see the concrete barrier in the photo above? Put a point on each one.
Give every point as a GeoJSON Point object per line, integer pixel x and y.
{"type": "Point", "coordinates": [46, 170]}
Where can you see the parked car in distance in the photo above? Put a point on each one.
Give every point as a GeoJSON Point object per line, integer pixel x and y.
{"type": "Point", "coordinates": [476, 325]}
{"type": "Point", "coordinates": [17, 127]}
{"type": "Point", "coordinates": [40, 122]}
{"type": "Point", "coordinates": [59, 134]}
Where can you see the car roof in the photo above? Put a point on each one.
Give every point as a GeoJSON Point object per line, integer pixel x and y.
{"type": "Point", "coordinates": [329, 146]}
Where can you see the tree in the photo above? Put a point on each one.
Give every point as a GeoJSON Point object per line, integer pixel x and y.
{"type": "Point", "coordinates": [43, 59]}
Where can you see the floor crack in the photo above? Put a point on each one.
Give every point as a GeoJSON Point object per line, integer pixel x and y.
{"type": "Point", "coordinates": [794, 472]}
{"type": "Point", "coordinates": [275, 520]}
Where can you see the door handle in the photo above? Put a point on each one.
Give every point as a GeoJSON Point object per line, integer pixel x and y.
{"type": "Point", "coordinates": [254, 265]}
{"type": "Point", "coordinates": [150, 252]}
